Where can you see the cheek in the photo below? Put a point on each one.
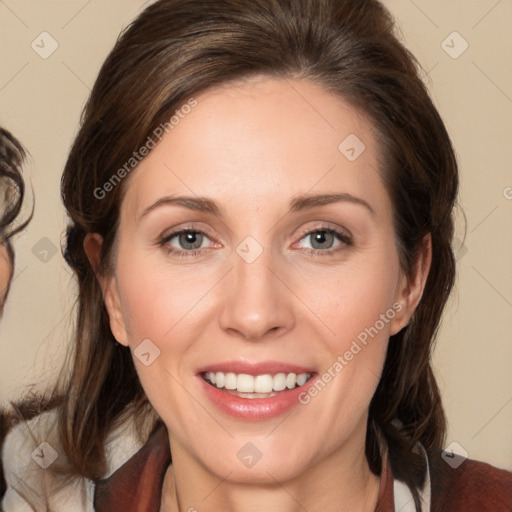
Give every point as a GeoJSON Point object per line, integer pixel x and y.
{"type": "Point", "coordinates": [5, 271]}
{"type": "Point", "coordinates": [166, 302]}
{"type": "Point", "coordinates": [351, 298]}
{"type": "Point", "coordinates": [156, 299]}
{"type": "Point", "coordinates": [160, 306]}
{"type": "Point", "coordinates": [168, 307]}
{"type": "Point", "coordinates": [356, 304]}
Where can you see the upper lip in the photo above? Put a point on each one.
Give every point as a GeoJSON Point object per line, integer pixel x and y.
{"type": "Point", "coordinates": [253, 368]}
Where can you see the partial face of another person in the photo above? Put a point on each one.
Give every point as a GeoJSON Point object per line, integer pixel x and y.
{"type": "Point", "coordinates": [267, 281]}
{"type": "Point", "coordinates": [5, 275]}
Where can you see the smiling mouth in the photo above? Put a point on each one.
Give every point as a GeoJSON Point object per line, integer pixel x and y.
{"type": "Point", "coordinates": [255, 386]}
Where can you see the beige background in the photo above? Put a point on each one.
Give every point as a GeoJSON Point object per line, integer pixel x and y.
{"type": "Point", "coordinates": [41, 100]}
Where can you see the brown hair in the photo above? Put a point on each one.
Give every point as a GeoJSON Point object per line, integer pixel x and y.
{"type": "Point", "coordinates": [176, 49]}
{"type": "Point", "coordinates": [12, 193]}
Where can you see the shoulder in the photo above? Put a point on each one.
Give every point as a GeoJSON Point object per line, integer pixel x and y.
{"type": "Point", "coordinates": [137, 484]}
{"type": "Point", "coordinates": [29, 451]}
{"type": "Point", "coordinates": [458, 484]}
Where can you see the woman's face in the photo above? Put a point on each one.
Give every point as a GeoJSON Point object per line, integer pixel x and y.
{"type": "Point", "coordinates": [290, 268]}
{"type": "Point", "coordinates": [5, 275]}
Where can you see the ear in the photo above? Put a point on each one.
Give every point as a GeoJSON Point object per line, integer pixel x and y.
{"type": "Point", "coordinates": [410, 290]}
{"type": "Point", "coordinates": [92, 247]}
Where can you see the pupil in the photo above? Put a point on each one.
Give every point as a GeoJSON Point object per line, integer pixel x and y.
{"type": "Point", "coordinates": [320, 236]}
{"type": "Point", "coordinates": [189, 239]}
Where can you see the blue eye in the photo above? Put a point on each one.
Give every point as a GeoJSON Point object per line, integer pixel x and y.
{"type": "Point", "coordinates": [326, 236]}
{"type": "Point", "coordinates": [191, 241]}
{"type": "Point", "coordinates": [188, 239]}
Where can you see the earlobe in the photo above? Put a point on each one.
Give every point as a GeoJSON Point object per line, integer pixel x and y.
{"type": "Point", "coordinates": [92, 247]}
{"type": "Point", "coordinates": [410, 290]}
{"type": "Point", "coordinates": [115, 313]}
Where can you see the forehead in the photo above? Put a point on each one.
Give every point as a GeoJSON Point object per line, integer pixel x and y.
{"type": "Point", "coordinates": [244, 142]}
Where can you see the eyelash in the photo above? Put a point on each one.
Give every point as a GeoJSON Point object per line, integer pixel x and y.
{"type": "Point", "coordinates": [342, 237]}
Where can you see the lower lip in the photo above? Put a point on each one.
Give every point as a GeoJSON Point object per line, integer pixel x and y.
{"type": "Point", "coordinates": [255, 409]}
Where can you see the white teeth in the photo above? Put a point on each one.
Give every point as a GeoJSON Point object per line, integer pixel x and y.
{"type": "Point", "coordinates": [219, 379]}
{"type": "Point", "coordinates": [291, 380]}
{"type": "Point", "coordinates": [279, 382]}
{"type": "Point", "coordinates": [244, 383]}
{"type": "Point", "coordinates": [251, 395]}
{"type": "Point", "coordinates": [263, 383]}
{"type": "Point", "coordinates": [230, 381]}
{"type": "Point", "coordinates": [302, 378]}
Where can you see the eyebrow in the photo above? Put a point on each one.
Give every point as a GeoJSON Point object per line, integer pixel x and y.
{"type": "Point", "coordinates": [298, 203]}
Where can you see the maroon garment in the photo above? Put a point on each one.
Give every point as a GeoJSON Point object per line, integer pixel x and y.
{"type": "Point", "coordinates": [472, 487]}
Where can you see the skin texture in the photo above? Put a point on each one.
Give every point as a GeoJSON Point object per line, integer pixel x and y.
{"type": "Point", "coordinates": [5, 275]}
{"type": "Point", "coordinates": [252, 147]}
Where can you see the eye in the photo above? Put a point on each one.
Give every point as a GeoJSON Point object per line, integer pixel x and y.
{"type": "Point", "coordinates": [187, 242]}
{"type": "Point", "coordinates": [190, 239]}
{"type": "Point", "coordinates": [322, 241]}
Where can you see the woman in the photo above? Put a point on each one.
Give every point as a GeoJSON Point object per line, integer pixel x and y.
{"type": "Point", "coordinates": [12, 191]}
{"type": "Point", "coordinates": [248, 369]}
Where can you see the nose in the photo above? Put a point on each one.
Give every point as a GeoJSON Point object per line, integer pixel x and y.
{"type": "Point", "coordinates": [257, 303]}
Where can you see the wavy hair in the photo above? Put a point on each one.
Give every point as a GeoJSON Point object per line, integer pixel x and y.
{"type": "Point", "coordinates": [175, 49]}
{"type": "Point", "coordinates": [12, 194]}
